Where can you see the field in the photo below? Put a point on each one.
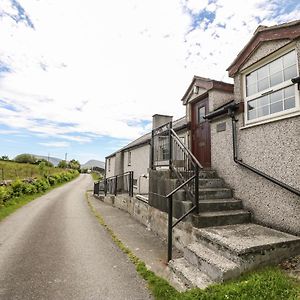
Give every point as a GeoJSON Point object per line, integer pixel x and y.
{"type": "Point", "coordinates": [12, 170]}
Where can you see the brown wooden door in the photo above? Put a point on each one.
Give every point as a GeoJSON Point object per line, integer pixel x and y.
{"type": "Point", "coordinates": [201, 133]}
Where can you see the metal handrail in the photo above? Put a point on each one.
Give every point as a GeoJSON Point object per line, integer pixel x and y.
{"type": "Point", "coordinates": [186, 149]}
{"type": "Point", "coordinates": [115, 177]}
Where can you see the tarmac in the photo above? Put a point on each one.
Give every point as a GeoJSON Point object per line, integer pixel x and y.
{"type": "Point", "coordinates": [143, 242]}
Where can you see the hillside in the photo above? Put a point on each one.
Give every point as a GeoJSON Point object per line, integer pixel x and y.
{"type": "Point", "coordinates": [11, 170]}
{"type": "Point", "coordinates": [54, 160]}
{"type": "Point", "coordinates": [94, 163]}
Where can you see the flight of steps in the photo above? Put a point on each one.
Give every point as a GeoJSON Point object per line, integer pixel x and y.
{"type": "Point", "coordinates": [227, 244]}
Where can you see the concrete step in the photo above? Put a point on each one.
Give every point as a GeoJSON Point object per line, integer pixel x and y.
{"type": "Point", "coordinates": [211, 182]}
{"type": "Point", "coordinates": [249, 245]}
{"type": "Point", "coordinates": [214, 193]}
{"type": "Point", "coordinates": [180, 195]}
{"type": "Point", "coordinates": [208, 174]}
{"type": "Point", "coordinates": [219, 218]}
{"type": "Point", "coordinates": [188, 274]}
{"type": "Point", "coordinates": [220, 204]}
{"type": "Point", "coordinates": [216, 266]}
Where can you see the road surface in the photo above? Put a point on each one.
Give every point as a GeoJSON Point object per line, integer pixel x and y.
{"type": "Point", "coordinates": [54, 248]}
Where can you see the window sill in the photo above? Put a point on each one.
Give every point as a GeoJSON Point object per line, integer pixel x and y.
{"type": "Point", "coordinates": [287, 116]}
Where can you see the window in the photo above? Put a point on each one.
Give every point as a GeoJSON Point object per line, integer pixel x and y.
{"type": "Point", "coordinates": [269, 90]}
{"type": "Point", "coordinates": [129, 158]}
{"type": "Point", "coordinates": [201, 114]}
{"type": "Point", "coordinates": [109, 165]}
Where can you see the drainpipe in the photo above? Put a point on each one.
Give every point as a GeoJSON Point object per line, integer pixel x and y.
{"type": "Point", "coordinates": [231, 113]}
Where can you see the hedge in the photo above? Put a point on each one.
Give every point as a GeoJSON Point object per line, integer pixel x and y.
{"type": "Point", "coordinates": [19, 187]}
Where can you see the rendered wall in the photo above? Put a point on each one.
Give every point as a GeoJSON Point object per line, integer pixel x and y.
{"type": "Point", "coordinates": [140, 158]}
{"type": "Point", "coordinates": [273, 148]}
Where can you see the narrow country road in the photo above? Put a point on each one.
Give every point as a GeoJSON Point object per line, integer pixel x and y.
{"type": "Point", "coordinates": [54, 248]}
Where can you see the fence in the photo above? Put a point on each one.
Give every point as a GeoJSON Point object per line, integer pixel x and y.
{"type": "Point", "coordinates": [120, 184]}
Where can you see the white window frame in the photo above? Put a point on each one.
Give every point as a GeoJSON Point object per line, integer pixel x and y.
{"type": "Point", "coordinates": [278, 115]}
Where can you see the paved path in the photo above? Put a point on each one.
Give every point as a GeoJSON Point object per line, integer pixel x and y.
{"type": "Point", "coordinates": [54, 248]}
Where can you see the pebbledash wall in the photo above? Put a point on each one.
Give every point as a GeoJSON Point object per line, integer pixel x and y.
{"type": "Point", "coordinates": [272, 147]}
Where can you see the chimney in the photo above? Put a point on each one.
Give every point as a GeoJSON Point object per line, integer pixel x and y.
{"type": "Point", "coordinates": [159, 120]}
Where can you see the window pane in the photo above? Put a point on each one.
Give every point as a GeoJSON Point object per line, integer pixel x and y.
{"type": "Point", "coordinates": [252, 104]}
{"type": "Point", "coordinates": [277, 96]}
{"type": "Point", "coordinates": [276, 107]}
{"type": "Point", "coordinates": [263, 111]}
{"type": "Point", "coordinates": [290, 72]}
{"type": "Point", "coordinates": [201, 114]}
{"type": "Point", "coordinates": [263, 84]}
{"type": "Point", "coordinates": [289, 103]}
{"type": "Point", "coordinates": [251, 78]}
{"type": "Point", "coordinates": [251, 89]}
{"type": "Point", "coordinates": [276, 66]}
{"type": "Point", "coordinates": [276, 78]}
{"type": "Point", "coordinates": [289, 92]}
{"type": "Point", "coordinates": [251, 114]}
{"type": "Point", "coordinates": [289, 59]}
{"type": "Point", "coordinates": [263, 72]}
{"type": "Point", "coordinates": [263, 101]}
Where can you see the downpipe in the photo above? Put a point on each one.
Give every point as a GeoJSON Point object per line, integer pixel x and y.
{"type": "Point", "coordinates": [240, 161]}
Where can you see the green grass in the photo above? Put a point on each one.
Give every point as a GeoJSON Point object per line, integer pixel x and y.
{"type": "Point", "coordinates": [12, 170]}
{"type": "Point", "coordinates": [266, 284]}
{"type": "Point", "coordinates": [13, 204]}
{"type": "Point", "coordinates": [96, 176]}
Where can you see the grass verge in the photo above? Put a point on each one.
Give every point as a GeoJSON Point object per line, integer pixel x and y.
{"type": "Point", "coordinates": [96, 176]}
{"type": "Point", "coordinates": [13, 204]}
{"type": "Point", "coordinates": [267, 284]}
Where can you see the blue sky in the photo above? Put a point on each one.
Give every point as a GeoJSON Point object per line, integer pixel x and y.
{"type": "Point", "coordinates": [86, 79]}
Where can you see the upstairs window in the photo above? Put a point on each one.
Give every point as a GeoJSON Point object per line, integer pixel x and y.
{"type": "Point", "coordinates": [269, 90]}
{"type": "Point", "coordinates": [129, 158]}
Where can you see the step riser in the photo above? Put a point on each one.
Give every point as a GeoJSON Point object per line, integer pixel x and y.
{"type": "Point", "coordinates": [215, 273]}
{"type": "Point", "coordinates": [220, 206]}
{"type": "Point", "coordinates": [211, 183]}
{"type": "Point", "coordinates": [207, 174]}
{"type": "Point", "coordinates": [203, 221]}
{"type": "Point", "coordinates": [257, 259]}
{"type": "Point", "coordinates": [217, 194]}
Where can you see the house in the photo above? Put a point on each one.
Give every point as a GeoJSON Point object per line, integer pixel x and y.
{"type": "Point", "coordinates": [135, 156]}
{"type": "Point", "coordinates": [233, 186]}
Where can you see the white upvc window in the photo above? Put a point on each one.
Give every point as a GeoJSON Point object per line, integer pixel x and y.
{"type": "Point", "coordinates": [269, 91]}
{"type": "Point", "coordinates": [129, 158]}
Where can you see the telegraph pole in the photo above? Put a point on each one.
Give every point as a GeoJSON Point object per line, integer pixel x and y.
{"type": "Point", "coordinates": [66, 156]}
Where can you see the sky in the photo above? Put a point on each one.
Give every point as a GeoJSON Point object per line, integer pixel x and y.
{"type": "Point", "coordinates": [85, 77]}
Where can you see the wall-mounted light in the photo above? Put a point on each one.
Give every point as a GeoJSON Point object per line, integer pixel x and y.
{"type": "Point", "coordinates": [196, 89]}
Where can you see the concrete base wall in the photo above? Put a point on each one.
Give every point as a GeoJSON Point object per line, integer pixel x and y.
{"type": "Point", "coordinates": [153, 219]}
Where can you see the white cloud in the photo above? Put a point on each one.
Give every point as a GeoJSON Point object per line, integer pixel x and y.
{"type": "Point", "coordinates": [55, 144]}
{"type": "Point", "coordinates": [96, 65]}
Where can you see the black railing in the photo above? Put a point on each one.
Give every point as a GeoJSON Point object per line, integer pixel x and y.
{"type": "Point", "coordinates": [168, 150]}
{"type": "Point", "coordinates": [119, 184]}
{"type": "Point", "coordinates": [99, 187]}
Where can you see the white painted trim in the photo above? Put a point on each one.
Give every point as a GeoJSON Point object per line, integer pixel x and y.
{"type": "Point", "coordinates": [280, 115]}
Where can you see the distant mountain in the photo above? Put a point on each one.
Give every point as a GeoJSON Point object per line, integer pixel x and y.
{"type": "Point", "coordinates": [54, 160]}
{"type": "Point", "coordinates": [94, 163]}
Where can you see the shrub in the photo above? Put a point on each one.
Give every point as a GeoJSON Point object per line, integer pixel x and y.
{"type": "Point", "coordinates": [30, 189]}
{"type": "Point", "coordinates": [52, 180]}
{"type": "Point", "coordinates": [18, 187]}
{"type": "Point", "coordinates": [5, 194]}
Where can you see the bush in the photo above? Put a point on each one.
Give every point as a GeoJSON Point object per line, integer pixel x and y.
{"type": "Point", "coordinates": [18, 187]}
{"type": "Point", "coordinates": [52, 180]}
{"type": "Point", "coordinates": [5, 194]}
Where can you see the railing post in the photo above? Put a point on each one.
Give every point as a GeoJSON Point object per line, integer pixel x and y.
{"type": "Point", "coordinates": [105, 186]}
{"type": "Point", "coordinates": [152, 151]}
{"type": "Point", "coordinates": [170, 226]}
{"type": "Point", "coordinates": [116, 185]}
{"type": "Point", "coordinates": [131, 184]}
{"type": "Point", "coordinates": [197, 189]}
{"type": "Point", "coordinates": [170, 145]}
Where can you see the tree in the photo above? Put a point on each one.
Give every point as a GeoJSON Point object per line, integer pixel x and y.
{"type": "Point", "coordinates": [4, 157]}
{"type": "Point", "coordinates": [25, 158]}
{"type": "Point", "coordinates": [74, 164]}
{"type": "Point", "coordinates": [47, 163]}
{"type": "Point", "coordinates": [62, 164]}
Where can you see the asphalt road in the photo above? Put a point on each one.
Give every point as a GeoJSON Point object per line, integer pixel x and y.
{"type": "Point", "coordinates": [54, 248]}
